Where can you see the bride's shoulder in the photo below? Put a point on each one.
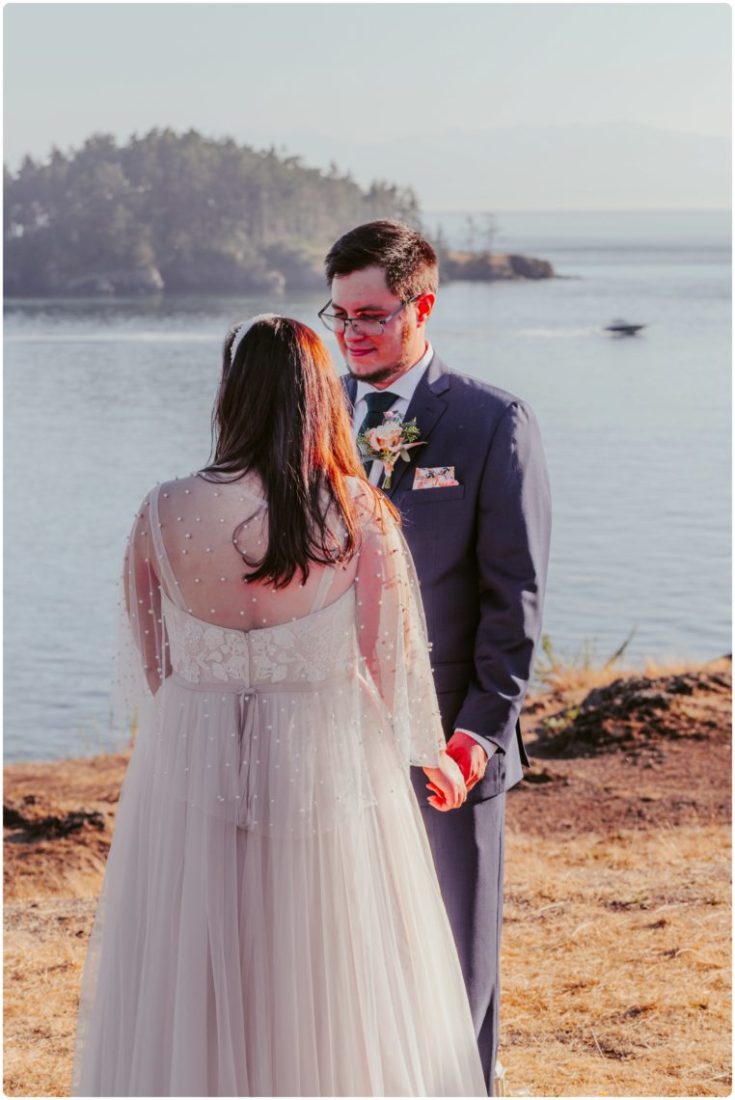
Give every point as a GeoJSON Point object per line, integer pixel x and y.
{"type": "Point", "coordinates": [372, 507]}
{"type": "Point", "coordinates": [361, 492]}
{"type": "Point", "coordinates": [360, 488]}
{"type": "Point", "coordinates": [206, 484]}
{"type": "Point", "coordinates": [237, 484]}
{"type": "Point", "coordinates": [162, 490]}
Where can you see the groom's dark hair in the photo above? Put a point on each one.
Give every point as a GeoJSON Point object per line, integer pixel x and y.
{"type": "Point", "coordinates": [407, 258]}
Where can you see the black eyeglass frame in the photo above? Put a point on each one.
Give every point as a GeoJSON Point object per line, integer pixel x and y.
{"type": "Point", "coordinates": [382, 321]}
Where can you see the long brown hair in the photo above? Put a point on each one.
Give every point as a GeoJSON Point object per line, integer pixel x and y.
{"type": "Point", "coordinates": [280, 412]}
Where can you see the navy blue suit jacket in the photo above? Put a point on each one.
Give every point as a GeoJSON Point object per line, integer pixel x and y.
{"type": "Point", "coordinates": [481, 551]}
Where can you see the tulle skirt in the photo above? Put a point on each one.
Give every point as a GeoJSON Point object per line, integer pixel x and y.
{"type": "Point", "coordinates": [270, 922]}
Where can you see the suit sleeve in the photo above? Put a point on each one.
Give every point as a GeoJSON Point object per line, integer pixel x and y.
{"type": "Point", "coordinates": [513, 534]}
{"type": "Point", "coordinates": [489, 746]}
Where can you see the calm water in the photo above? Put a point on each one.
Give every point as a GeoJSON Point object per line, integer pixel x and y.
{"type": "Point", "coordinates": [102, 400]}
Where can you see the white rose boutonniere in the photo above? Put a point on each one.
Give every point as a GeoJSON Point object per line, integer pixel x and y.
{"type": "Point", "coordinates": [391, 440]}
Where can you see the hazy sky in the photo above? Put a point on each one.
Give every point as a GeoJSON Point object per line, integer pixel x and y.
{"type": "Point", "coordinates": [273, 72]}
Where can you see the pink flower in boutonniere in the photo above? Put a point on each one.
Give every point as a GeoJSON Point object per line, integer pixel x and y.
{"type": "Point", "coordinates": [391, 440]}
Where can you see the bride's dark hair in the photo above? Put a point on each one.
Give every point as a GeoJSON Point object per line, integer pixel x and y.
{"type": "Point", "coordinates": [280, 412]}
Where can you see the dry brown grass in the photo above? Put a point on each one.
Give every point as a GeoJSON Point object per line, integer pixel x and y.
{"type": "Point", "coordinates": [569, 677]}
{"type": "Point", "coordinates": [45, 947]}
{"type": "Point", "coordinates": [616, 963]}
{"type": "Point", "coordinates": [616, 949]}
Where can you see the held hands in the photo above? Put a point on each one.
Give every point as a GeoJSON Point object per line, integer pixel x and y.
{"type": "Point", "coordinates": [461, 765]}
{"type": "Point", "coordinates": [470, 757]}
{"type": "Point", "coordinates": [446, 784]}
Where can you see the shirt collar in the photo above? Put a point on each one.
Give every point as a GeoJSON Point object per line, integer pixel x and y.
{"type": "Point", "coordinates": [405, 386]}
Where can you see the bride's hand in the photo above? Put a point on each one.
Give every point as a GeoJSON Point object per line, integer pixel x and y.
{"type": "Point", "coordinates": [447, 784]}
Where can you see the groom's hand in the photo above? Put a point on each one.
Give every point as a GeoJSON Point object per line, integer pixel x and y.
{"type": "Point", "coordinates": [469, 755]}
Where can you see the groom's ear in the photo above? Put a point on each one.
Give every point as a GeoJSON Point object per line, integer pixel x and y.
{"type": "Point", "coordinates": [424, 306]}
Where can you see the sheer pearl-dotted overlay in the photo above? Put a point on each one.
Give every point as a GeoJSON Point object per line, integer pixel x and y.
{"type": "Point", "coordinates": [270, 921]}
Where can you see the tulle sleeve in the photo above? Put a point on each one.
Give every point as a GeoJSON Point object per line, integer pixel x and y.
{"type": "Point", "coordinates": [393, 641]}
{"type": "Point", "coordinates": [141, 659]}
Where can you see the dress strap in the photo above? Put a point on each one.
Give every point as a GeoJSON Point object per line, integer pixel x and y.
{"type": "Point", "coordinates": [167, 576]}
{"type": "Point", "coordinates": [325, 583]}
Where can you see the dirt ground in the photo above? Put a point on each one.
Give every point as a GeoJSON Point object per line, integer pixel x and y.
{"type": "Point", "coordinates": [616, 965]}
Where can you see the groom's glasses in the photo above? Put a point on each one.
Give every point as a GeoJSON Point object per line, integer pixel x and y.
{"type": "Point", "coordinates": [365, 326]}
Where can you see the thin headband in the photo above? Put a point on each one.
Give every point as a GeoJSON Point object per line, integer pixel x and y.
{"type": "Point", "coordinates": [245, 328]}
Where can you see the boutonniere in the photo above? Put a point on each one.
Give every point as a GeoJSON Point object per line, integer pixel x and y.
{"type": "Point", "coordinates": [391, 440]}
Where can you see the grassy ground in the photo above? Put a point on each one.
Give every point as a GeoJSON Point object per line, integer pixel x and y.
{"type": "Point", "coordinates": [616, 950]}
{"type": "Point", "coordinates": [616, 964]}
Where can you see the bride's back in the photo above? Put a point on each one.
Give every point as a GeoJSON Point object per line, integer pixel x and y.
{"type": "Point", "coordinates": [280, 415]}
{"type": "Point", "coordinates": [206, 534]}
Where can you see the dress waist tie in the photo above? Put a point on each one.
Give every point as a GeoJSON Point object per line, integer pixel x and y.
{"type": "Point", "coordinates": [246, 696]}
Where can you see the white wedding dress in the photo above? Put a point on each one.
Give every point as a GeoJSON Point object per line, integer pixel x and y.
{"type": "Point", "coordinates": [270, 922]}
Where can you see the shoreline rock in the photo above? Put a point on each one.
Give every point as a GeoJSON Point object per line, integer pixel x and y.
{"type": "Point", "coordinates": [283, 274]}
{"type": "Point", "coordinates": [493, 267]}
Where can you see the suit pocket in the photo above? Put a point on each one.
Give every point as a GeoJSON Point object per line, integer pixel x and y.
{"type": "Point", "coordinates": [424, 496]}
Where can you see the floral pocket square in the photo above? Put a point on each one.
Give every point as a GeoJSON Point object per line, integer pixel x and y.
{"type": "Point", "coordinates": [434, 477]}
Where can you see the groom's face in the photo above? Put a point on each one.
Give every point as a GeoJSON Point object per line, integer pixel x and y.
{"type": "Point", "coordinates": [376, 359]}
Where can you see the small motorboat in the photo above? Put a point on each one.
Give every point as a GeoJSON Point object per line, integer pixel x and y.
{"type": "Point", "coordinates": [623, 328]}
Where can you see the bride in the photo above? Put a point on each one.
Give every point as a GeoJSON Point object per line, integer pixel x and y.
{"type": "Point", "coordinates": [270, 922]}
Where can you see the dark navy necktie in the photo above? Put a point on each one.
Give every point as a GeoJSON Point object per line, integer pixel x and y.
{"type": "Point", "coordinates": [378, 404]}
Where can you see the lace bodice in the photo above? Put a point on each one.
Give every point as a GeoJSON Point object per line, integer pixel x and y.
{"type": "Point", "coordinates": [188, 613]}
{"type": "Point", "coordinates": [312, 648]}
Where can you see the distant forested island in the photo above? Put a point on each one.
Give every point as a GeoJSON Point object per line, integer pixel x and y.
{"type": "Point", "coordinates": [178, 213]}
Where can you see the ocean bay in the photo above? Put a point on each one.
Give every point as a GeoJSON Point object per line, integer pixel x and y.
{"type": "Point", "coordinates": [104, 398]}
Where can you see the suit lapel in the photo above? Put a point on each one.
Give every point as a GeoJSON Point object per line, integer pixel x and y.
{"type": "Point", "coordinates": [426, 405]}
{"type": "Point", "coordinates": [349, 385]}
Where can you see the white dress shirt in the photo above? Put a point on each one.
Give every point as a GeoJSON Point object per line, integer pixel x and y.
{"type": "Point", "coordinates": [404, 388]}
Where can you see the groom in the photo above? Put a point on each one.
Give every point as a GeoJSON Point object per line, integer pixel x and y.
{"type": "Point", "coordinates": [474, 500]}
